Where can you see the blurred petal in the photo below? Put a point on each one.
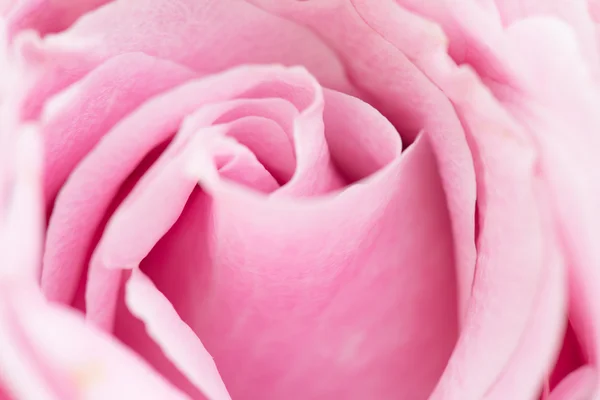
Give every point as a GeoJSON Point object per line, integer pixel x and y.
{"type": "Point", "coordinates": [46, 16]}
{"type": "Point", "coordinates": [84, 364]}
{"type": "Point", "coordinates": [565, 128]}
{"type": "Point", "coordinates": [575, 13]}
{"type": "Point", "coordinates": [6, 6]}
{"type": "Point", "coordinates": [579, 385]}
{"type": "Point", "coordinates": [21, 220]}
{"type": "Point", "coordinates": [19, 369]}
{"type": "Point", "coordinates": [569, 359]}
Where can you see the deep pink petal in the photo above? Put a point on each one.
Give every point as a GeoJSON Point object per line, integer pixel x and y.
{"type": "Point", "coordinates": [579, 385]}
{"type": "Point", "coordinates": [569, 359]}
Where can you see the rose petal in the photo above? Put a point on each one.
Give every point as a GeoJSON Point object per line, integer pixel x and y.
{"type": "Point", "coordinates": [520, 62]}
{"type": "Point", "coordinates": [207, 285]}
{"type": "Point", "coordinates": [6, 6]}
{"type": "Point", "coordinates": [170, 30]}
{"type": "Point", "coordinates": [569, 359]}
{"type": "Point", "coordinates": [575, 13]}
{"type": "Point", "coordinates": [565, 127]}
{"type": "Point", "coordinates": [355, 155]}
{"type": "Point", "coordinates": [177, 340]}
{"type": "Point", "coordinates": [579, 385]}
{"type": "Point", "coordinates": [537, 348]}
{"type": "Point", "coordinates": [52, 341]}
{"type": "Point", "coordinates": [552, 117]}
{"type": "Point", "coordinates": [313, 174]}
{"type": "Point", "coordinates": [75, 120]}
{"type": "Point", "coordinates": [341, 282]}
{"type": "Point", "coordinates": [19, 368]}
{"type": "Point", "coordinates": [21, 219]}
{"type": "Point", "coordinates": [391, 79]}
{"type": "Point", "coordinates": [47, 16]}
{"type": "Point", "coordinates": [191, 296]}
{"type": "Point", "coordinates": [475, 376]}
{"type": "Point", "coordinates": [84, 199]}
{"type": "Point", "coordinates": [512, 262]}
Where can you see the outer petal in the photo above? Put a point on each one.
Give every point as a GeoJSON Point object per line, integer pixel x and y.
{"type": "Point", "coordinates": [76, 119]}
{"type": "Point", "coordinates": [74, 122]}
{"type": "Point", "coordinates": [508, 288]}
{"type": "Point", "coordinates": [46, 16]}
{"type": "Point", "coordinates": [21, 219]}
{"type": "Point", "coordinates": [579, 385]}
{"type": "Point", "coordinates": [170, 30]}
{"type": "Point", "coordinates": [575, 13]}
{"type": "Point", "coordinates": [530, 361]}
{"type": "Point", "coordinates": [563, 122]}
{"type": "Point", "coordinates": [565, 128]}
{"type": "Point", "coordinates": [475, 28]}
{"type": "Point", "coordinates": [6, 6]}
{"type": "Point", "coordinates": [65, 358]}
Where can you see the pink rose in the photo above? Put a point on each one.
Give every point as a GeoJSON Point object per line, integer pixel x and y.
{"type": "Point", "coordinates": [337, 199]}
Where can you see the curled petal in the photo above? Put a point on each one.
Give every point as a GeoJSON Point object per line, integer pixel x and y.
{"type": "Point", "coordinates": [177, 340]}
{"type": "Point", "coordinates": [235, 261]}
{"type": "Point", "coordinates": [391, 75]}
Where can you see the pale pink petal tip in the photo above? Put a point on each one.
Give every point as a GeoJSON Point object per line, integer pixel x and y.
{"type": "Point", "coordinates": [22, 215]}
